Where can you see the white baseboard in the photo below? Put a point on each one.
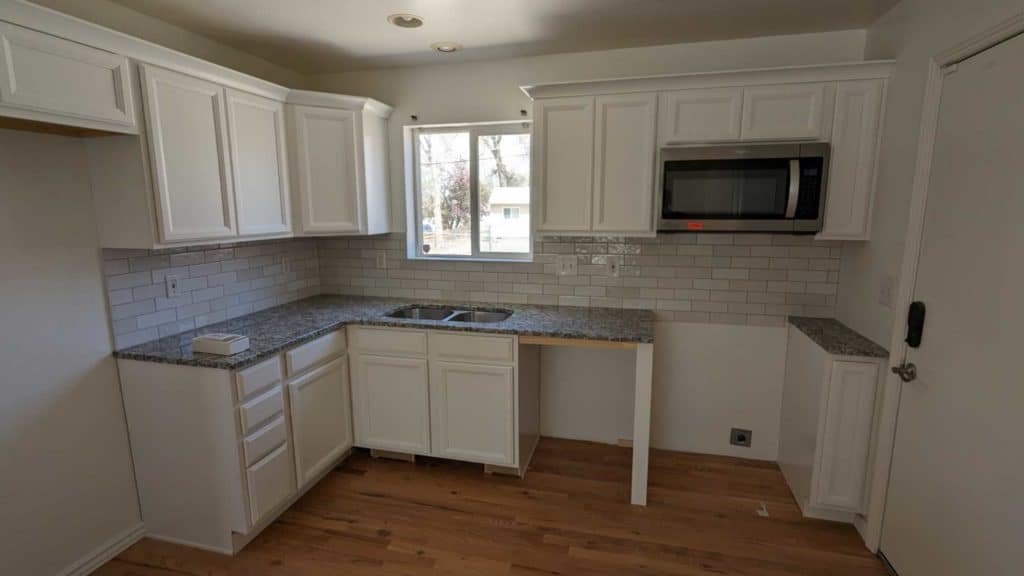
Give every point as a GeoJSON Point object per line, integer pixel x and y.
{"type": "Point", "coordinates": [105, 552]}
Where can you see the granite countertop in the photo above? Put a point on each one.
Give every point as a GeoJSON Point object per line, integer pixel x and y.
{"type": "Point", "coordinates": [275, 329]}
{"type": "Point", "coordinates": [837, 338]}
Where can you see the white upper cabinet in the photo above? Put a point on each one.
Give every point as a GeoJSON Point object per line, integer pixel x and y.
{"type": "Point", "coordinates": [259, 164]}
{"type": "Point", "coordinates": [562, 162]}
{"type": "Point", "coordinates": [624, 140]}
{"type": "Point", "coordinates": [339, 164]}
{"type": "Point", "coordinates": [787, 112]}
{"type": "Point", "coordinates": [702, 115]}
{"type": "Point", "coordinates": [855, 143]}
{"type": "Point", "coordinates": [48, 79]}
{"type": "Point", "coordinates": [188, 138]}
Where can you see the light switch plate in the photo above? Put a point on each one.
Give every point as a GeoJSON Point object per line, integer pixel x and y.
{"type": "Point", "coordinates": [567, 265]}
{"type": "Point", "coordinates": [382, 259]}
{"type": "Point", "coordinates": [173, 291]}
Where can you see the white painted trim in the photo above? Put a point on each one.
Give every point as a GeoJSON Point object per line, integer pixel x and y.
{"type": "Point", "coordinates": [330, 100]}
{"type": "Point", "coordinates": [870, 527]}
{"type": "Point", "coordinates": [105, 552]}
{"type": "Point", "coordinates": [55, 23]}
{"type": "Point", "coordinates": [642, 423]}
{"type": "Point", "coordinates": [745, 77]}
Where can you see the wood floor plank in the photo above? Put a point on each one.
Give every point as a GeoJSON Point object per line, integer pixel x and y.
{"type": "Point", "coordinates": [569, 516]}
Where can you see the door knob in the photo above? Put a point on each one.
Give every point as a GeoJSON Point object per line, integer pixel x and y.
{"type": "Point", "coordinates": [906, 371]}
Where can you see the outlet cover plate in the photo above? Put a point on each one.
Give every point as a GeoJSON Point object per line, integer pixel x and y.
{"type": "Point", "coordinates": [567, 265]}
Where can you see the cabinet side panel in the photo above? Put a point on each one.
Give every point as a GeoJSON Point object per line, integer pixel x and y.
{"type": "Point", "coordinates": [377, 183]}
{"type": "Point", "coordinates": [801, 404]}
{"type": "Point", "coordinates": [121, 191]}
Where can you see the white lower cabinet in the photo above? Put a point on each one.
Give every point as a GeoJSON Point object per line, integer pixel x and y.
{"type": "Point", "coordinates": [271, 481]}
{"type": "Point", "coordinates": [392, 403]}
{"type": "Point", "coordinates": [321, 413]}
{"type": "Point", "coordinates": [473, 412]}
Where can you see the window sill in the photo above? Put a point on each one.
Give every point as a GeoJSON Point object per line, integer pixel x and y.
{"type": "Point", "coordinates": [517, 259]}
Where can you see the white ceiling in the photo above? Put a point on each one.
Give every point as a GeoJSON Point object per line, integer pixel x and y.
{"type": "Point", "coordinates": [339, 35]}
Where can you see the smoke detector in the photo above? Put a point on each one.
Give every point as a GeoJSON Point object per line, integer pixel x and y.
{"type": "Point", "coordinates": [405, 20]}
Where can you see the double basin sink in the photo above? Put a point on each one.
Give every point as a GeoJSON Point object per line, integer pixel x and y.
{"type": "Point", "coordinates": [444, 314]}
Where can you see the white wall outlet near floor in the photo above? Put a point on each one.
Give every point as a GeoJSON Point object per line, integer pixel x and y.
{"type": "Point", "coordinates": [567, 265]}
{"type": "Point", "coordinates": [173, 290]}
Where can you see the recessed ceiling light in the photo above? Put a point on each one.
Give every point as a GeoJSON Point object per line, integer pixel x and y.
{"type": "Point", "coordinates": [406, 20]}
{"type": "Point", "coordinates": [446, 47]}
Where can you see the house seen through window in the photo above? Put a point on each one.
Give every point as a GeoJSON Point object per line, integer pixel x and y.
{"type": "Point", "coordinates": [472, 192]}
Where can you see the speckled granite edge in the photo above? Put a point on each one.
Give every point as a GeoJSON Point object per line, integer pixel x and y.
{"type": "Point", "coordinates": [283, 327]}
{"type": "Point", "coordinates": [837, 338]}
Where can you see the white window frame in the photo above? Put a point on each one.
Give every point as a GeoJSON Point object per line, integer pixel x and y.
{"type": "Point", "coordinates": [414, 213]}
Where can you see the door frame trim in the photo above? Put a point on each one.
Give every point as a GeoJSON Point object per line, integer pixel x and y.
{"type": "Point", "coordinates": [942, 63]}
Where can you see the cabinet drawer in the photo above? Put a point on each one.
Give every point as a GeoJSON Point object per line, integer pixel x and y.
{"type": "Point", "coordinates": [261, 409]}
{"type": "Point", "coordinates": [271, 482]}
{"type": "Point", "coordinates": [316, 352]}
{"type": "Point", "coordinates": [390, 341]}
{"type": "Point", "coordinates": [263, 441]}
{"type": "Point", "coordinates": [257, 378]}
{"type": "Point", "coordinates": [470, 347]}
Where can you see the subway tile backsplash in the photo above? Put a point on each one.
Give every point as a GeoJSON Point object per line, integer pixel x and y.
{"type": "Point", "coordinates": [216, 283]}
{"type": "Point", "coordinates": [724, 278]}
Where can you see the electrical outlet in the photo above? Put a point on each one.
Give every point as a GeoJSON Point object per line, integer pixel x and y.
{"type": "Point", "coordinates": [382, 259]}
{"type": "Point", "coordinates": [613, 268]}
{"type": "Point", "coordinates": [740, 437]}
{"type": "Point", "coordinates": [567, 265]}
{"type": "Point", "coordinates": [173, 291]}
{"type": "Point", "coordinates": [286, 264]}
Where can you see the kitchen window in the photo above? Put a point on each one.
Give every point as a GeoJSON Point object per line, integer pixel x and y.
{"type": "Point", "coordinates": [471, 192]}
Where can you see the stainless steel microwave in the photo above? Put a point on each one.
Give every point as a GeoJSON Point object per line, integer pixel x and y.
{"type": "Point", "coordinates": [744, 188]}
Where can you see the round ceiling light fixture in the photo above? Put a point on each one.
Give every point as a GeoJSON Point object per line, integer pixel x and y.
{"type": "Point", "coordinates": [446, 47]}
{"type": "Point", "coordinates": [406, 20]}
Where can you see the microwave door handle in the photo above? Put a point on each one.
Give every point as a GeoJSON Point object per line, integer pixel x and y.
{"type": "Point", "coordinates": [794, 188]}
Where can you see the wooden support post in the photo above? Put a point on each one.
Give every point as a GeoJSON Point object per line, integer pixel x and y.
{"type": "Point", "coordinates": [642, 422]}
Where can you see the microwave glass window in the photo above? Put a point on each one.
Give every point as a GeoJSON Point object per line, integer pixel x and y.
{"type": "Point", "coordinates": [726, 189]}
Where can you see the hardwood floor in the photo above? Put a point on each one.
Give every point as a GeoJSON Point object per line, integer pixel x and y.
{"type": "Point", "coordinates": [569, 516]}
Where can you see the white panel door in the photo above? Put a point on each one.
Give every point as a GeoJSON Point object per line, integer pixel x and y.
{"type": "Point", "coordinates": [562, 161]}
{"type": "Point", "coordinates": [188, 140]}
{"type": "Point", "coordinates": [259, 163]}
{"type": "Point", "coordinates": [845, 435]}
{"type": "Point", "coordinates": [47, 74]}
{"type": "Point", "coordinates": [624, 139]}
{"type": "Point", "coordinates": [785, 112]}
{"type": "Point", "coordinates": [473, 412]}
{"type": "Point", "coordinates": [329, 175]}
{"type": "Point", "coordinates": [391, 400]}
{"type": "Point", "coordinates": [851, 172]}
{"type": "Point", "coordinates": [321, 413]}
{"type": "Point", "coordinates": [954, 503]}
{"type": "Point", "coordinates": [706, 115]}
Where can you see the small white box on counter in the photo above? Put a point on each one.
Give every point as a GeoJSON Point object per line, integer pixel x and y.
{"type": "Point", "coordinates": [221, 344]}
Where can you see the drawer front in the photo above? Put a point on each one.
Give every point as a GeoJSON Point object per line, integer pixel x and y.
{"type": "Point", "coordinates": [390, 341]}
{"type": "Point", "coordinates": [264, 441]}
{"type": "Point", "coordinates": [261, 409]}
{"type": "Point", "coordinates": [316, 352]}
{"type": "Point", "coordinates": [255, 379]}
{"type": "Point", "coordinates": [472, 347]}
{"type": "Point", "coordinates": [271, 482]}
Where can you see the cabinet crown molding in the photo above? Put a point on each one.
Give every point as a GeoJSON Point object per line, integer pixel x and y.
{"type": "Point", "coordinates": [866, 70]}
{"type": "Point", "coordinates": [331, 100]}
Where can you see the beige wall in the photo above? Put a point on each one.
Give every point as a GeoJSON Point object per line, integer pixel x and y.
{"type": "Point", "coordinates": [128, 21]}
{"type": "Point", "coordinates": [66, 482]}
{"type": "Point", "coordinates": [912, 32]}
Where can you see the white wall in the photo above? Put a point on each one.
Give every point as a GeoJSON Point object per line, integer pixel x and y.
{"type": "Point", "coordinates": [911, 32]}
{"type": "Point", "coordinates": [124, 19]}
{"type": "Point", "coordinates": [66, 482]}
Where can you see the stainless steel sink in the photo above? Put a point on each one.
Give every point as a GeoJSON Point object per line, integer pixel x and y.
{"type": "Point", "coordinates": [423, 313]}
{"type": "Point", "coordinates": [481, 316]}
{"type": "Point", "coordinates": [445, 314]}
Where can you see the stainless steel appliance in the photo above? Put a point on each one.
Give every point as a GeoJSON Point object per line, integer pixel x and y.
{"type": "Point", "coordinates": [744, 188]}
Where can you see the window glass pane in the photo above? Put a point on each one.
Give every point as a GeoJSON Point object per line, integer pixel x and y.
{"type": "Point", "coordinates": [445, 204]}
{"type": "Point", "coordinates": [504, 172]}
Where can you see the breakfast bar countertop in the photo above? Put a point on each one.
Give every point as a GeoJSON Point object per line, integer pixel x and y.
{"type": "Point", "coordinates": [282, 327]}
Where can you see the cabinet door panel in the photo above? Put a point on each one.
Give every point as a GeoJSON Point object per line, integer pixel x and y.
{"type": "Point", "coordinates": [473, 411]}
{"type": "Point", "coordinates": [785, 112]}
{"type": "Point", "coordinates": [271, 482]}
{"type": "Point", "coordinates": [392, 403]}
{"type": "Point", "coordinates": [851, 178]}
{"type": "Point", "coordinates": [51, 75]}
{"type": "Point", "coordinates": [845, 436]}
{"type": "Point", "coordinates": [710, 115]}
{"type": "Point", "coordinates": [189, 144]}
{"type": "Point", "coordinates": [321, 418]}
{"type": "Point", "coordinates": [259, 163]}
{"type": "Point", "coordinates": [563, 157]}
{"type": "Point", "coordinates": [624, 163]}
{"type": "Point", "coordinates": [328, 174]}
